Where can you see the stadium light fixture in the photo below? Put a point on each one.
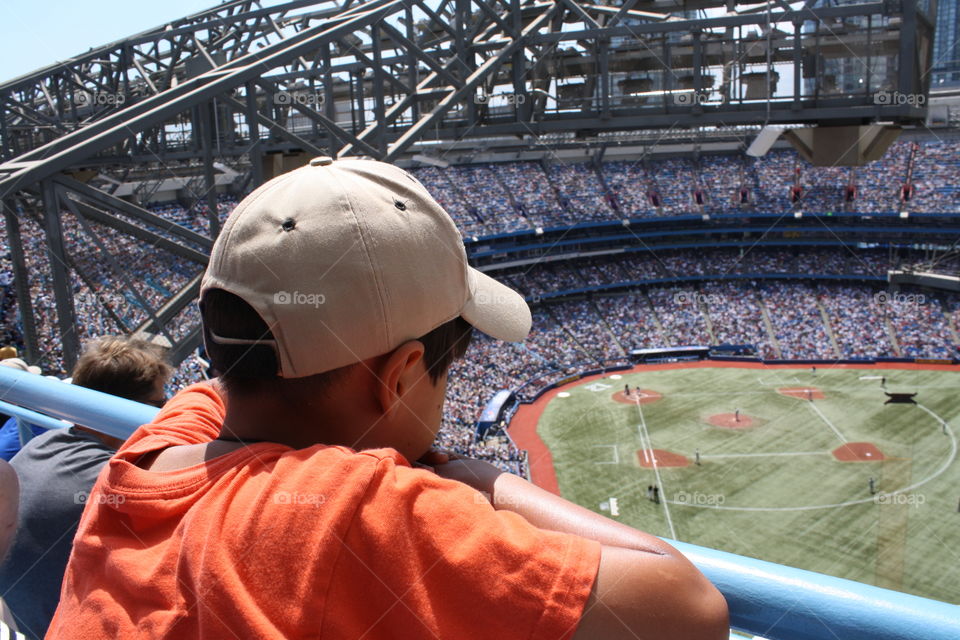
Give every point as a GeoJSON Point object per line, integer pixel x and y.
{"type": "Point", "coordinates": [436, 162]}
{"type": "Point", "coordinates": [904, 214]}
{"type": "Point", "coordinates": [798, 214]}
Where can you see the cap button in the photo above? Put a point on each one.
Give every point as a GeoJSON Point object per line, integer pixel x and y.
{"type": "Point", "coordinates": [322, 161]}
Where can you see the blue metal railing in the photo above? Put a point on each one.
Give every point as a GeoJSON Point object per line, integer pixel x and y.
{"type": "Point", "coordinates": [766, 599]}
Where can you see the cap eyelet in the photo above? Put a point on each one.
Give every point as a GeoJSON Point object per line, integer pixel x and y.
{"type": "Point", "coordinates": [400, 205]}
{"type": "Point", "coordinates": [289, 224]}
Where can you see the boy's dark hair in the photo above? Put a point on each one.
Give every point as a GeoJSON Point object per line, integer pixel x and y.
{"type": "Point", "coordinates": [121, 366]}
{"type": "Point", "coordinates": [251, 368]}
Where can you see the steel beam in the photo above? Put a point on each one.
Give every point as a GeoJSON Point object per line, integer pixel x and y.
{"type": "Point", "coordinates": [183, 347]}
{"type": "Point", "coordinates": [172, 307]}
{"type": "Point", "coordinates": [113, 203]}
{"type": "Point", "coordinates": [21, 282]}
{"type": "Point", "coordinates": [469, 85]}
{"type": "Point", "coordinates": [125, 281]}
{"type": "Point", "coordinates": [62, 288]}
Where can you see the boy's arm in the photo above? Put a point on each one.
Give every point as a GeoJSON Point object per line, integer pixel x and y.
{"type": "Point", "coordinates": [643, 584]}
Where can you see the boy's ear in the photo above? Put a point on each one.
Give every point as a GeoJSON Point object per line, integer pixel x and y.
{"type": "Point", "coordinates": [397, 373]}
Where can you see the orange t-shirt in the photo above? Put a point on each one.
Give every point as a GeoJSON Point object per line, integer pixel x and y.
{"type": "Point", "coordinates": [271, 542]}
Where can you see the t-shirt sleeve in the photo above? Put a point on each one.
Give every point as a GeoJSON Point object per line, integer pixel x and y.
{"type": "Point", "coordinates": [431, 557]}
{"type": "Point", "coordinates": [192, 416]}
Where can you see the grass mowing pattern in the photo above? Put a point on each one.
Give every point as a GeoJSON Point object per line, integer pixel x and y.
{"type": "Point", "coordinates": [910, 543]}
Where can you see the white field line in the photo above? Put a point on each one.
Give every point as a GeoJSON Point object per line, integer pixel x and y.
{"type": "Point", "coordinates": [939, 420]}
{"type": "Point", "coordinates": [763, 455]}
{"type": "Point", "coordinates": [616, 454]}
{"type": "Point", "coordinates": [656, 471]}
{"type": "Point", "coordinates": [644, 448]}
{"type": "Point", "coordinates": [828, 423]}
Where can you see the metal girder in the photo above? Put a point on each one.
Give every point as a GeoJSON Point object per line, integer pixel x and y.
{"type": "Point", "coordinates": [182, 348]}
{"type": "Point", "coordinates": [469, 85]}
{"type": "Point", "coordinates": [378, 77]}
{"type": "Point", "coordinates": [21, 282]}
{"type": "Point", "coordinates": [63, 292]}
{"type": "Point", "coordinates": [129, 228]}
{"type": "Point", "coordinates": [109, 78]}
{"type": "Point", "coordinates": [111, 202]}
{"type": "Point", "coordinates": [258, 119]}
{"type": "Point", "coordinates": [125, 281]}
{"type": "Point", "coordinates": [172, 307]}
{"type": "Point", "coordinates": [77, 145]}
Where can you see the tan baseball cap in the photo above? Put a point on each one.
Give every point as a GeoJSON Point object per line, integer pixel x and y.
{"type": "Point", "coordinates": [348, 259]}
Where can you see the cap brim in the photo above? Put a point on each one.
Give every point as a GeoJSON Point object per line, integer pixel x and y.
{"type": "Point", "coordinates": [496, 309]}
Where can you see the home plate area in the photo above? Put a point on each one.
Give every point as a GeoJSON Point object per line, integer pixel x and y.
{"type": "Point", "coordinates": [858, 452]}
{"type": "Point", "coordinates": [804, 393]}
{"type": "Point", "coordinates": [646, 458]}
{"type": "Point", "coordinates": [645, 396]}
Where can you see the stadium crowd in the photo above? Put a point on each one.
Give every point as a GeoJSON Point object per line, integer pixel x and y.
{"type": "Point", "coordinates": [650, 298]}
{"type": "Point", "coordinates": [488, 199]}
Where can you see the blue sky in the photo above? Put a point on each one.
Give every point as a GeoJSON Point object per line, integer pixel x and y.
{"type": "Point", "coordinates": [36, 33]}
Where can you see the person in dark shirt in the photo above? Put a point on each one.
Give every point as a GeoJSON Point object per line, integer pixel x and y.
{"type": "Point", "coordinates": [57, 470]}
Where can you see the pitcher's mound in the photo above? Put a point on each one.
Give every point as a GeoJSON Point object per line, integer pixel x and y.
{"type": "Point", "coordinates": [663, 458]}
{"type": "Point", "coordinates": [858, 452]}
{"type": "Point", "coordinates": [804, 393]}
{"type": "Point", "coordinates": [729, 421]}
{"type": "Point", "coordinates": [645, 396]}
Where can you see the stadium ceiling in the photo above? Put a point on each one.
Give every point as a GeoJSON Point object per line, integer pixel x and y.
{"type": "Point", "coordinates": [229, 96]}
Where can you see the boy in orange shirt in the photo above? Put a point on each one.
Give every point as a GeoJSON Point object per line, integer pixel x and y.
{"type": "Point", "coordinates": [280, 501]}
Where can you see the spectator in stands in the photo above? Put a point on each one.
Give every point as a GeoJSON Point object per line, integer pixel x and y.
{"type": "Point", "coordinates": [57, 470]}
{"type": "Point", "coordinates": [9, 501]}
{"type": "Point", "coordinates": [10, 438]}
{"type": "Point", "coordinates": [327, 404]}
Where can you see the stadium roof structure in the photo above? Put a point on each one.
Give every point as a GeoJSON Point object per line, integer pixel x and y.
{"type": "Point", "coordinates": [234, 94]}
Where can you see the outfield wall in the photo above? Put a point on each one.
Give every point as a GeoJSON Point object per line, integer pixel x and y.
{"type": "Point", "coordinates": [918, 363]}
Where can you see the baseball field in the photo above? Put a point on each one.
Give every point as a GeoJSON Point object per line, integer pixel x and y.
{"type": "Point", "coordinates": [806, 468]}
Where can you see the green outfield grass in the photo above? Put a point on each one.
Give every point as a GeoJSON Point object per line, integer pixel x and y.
{"type": "Point", "coordinates": [911, 543]}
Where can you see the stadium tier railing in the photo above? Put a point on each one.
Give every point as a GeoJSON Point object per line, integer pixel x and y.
{"type": "Point", "coordinates": [766, 599]}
